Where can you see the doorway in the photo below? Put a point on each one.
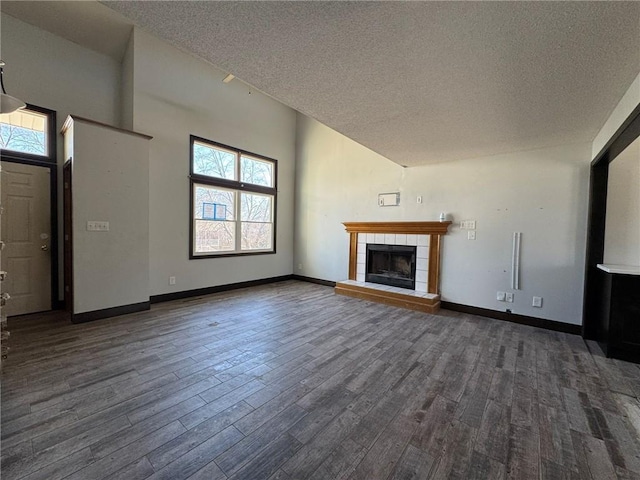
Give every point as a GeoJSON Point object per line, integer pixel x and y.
{"type": "Point", "coordinates": [594, 301]}
{"type": "Point", "coordinates": [26, 233]}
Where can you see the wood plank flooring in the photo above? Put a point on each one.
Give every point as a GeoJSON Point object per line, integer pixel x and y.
{"type": "Point", "coordinates": [289, 381]}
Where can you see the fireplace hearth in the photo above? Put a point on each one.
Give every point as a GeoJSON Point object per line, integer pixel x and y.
{"type": "Point", "coordinates": [393, 265]}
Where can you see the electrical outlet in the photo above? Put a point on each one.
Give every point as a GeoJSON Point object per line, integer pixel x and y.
{"type": "Point", "coordinates": [299, 266]}
{"type": "Point", "coordinates": [471, 235]}
{"type": "Point", "coordinates": [501, 296]}
{"type": "Point", "coordinates": [172, 280]}
{"type": "Point", "coordinates": [537, 302]}
{"type": "Point", "coordinates": [509, 297]}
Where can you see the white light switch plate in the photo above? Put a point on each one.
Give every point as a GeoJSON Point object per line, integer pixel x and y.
{"type": "Point", "coordinates": [95, 226]}
{"type": "Point", "coordinates": [471, 235]}
{"type": "Point", "coordinates": [468, 224]}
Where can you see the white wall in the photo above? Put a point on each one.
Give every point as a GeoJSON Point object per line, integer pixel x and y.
{"type": "Point", "coordinates": [49, 71]}
{"type": "Point", "coordinates": [46, 70]}
{"type": "Point", "coordinates": [622, 232]}
{"type": "Point", "coordinates": [110, 183]}
{"type": "Point", "coordinates": [176, 95]}
{"type": "Point", "coordinates": [127, 86]}
{"type": "Point", "coordinates": [626, 105]}
{"type": "Point", "coordinates": [542, 194]}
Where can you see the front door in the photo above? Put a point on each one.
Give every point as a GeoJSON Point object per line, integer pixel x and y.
{"type": "Point", "coordinates": [26, 232]}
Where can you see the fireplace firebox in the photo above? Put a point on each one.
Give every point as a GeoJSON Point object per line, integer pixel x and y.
{"type": "Point", "coordinates": [393, 265]}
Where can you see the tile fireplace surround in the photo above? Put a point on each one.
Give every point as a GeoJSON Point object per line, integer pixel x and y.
{"type": "Point", "coordinates": [426, 236]}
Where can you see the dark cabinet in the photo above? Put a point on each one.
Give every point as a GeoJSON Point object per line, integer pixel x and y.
{"type": "Point", "coordinates": [619, 332]}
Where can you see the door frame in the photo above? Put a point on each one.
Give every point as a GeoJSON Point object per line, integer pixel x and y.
{"type": "Point", "coordinates": [50, 162]}
{"type": "Point", "coordinates": [598, 185]}
{"type": "Point", "coordinates": [67, 234]}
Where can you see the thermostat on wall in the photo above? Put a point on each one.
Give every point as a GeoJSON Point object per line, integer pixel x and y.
{"type": "Point", "coordinates": [389, 199]}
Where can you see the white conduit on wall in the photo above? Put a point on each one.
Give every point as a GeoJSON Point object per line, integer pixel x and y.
{"type": "Point", "coordinates": [515, 261]}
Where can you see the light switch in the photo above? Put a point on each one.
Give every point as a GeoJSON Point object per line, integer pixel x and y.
{"type": "Point", "coordinates": [468, 224]}
{"type": "Point", "coordinates": [471, 235]}
{"type": "Point", "coordinates": [95, 226]}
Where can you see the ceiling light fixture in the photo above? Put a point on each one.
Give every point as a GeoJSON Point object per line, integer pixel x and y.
{"type": "Point", "coordinates": [8, 103]}
{"type": "Point", "coordinates": [228, 78]}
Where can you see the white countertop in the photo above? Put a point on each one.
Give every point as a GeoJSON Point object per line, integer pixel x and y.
{"type": "Point", "coordinates": [623, 269]}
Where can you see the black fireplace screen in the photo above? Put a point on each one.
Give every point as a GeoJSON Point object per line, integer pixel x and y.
{"type": "Point", "coordinates": [393, 265]}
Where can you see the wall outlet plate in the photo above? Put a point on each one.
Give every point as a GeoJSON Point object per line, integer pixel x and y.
{"type": "Point", "coordinates": [537, 302]}
{"type": "Point", "coordinates": [172, 280]}
{"type": "Point", "coordinates": [471, 235]}
{"type": "Point", "coordinates": [501, 296]}
{"type": "Point", "coordinates": [509, 297]}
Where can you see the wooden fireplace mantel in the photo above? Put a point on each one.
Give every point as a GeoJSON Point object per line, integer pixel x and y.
{"type": "Point", "coordinates": [434, 229]}
{"type": "Point", "coordinates": [416, 228]}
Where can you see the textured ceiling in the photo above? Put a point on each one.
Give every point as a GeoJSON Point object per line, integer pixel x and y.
{"type": "Point", "coordinates": [421, 82]}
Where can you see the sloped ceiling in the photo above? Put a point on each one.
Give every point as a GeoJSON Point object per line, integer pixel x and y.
{"type": "Point", "coordinates": [421, 82]}
{"type": "Point", "coordinates": [87, 23]}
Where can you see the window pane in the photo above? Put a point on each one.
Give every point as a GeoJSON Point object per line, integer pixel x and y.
{"type": "Point", "coordinates": [212, 236]}
{"type": "Point", "coordinates": [256, 207]}
{"type": "Point", "coordinates": [257, 236]}
{"type": "Point", "coordinates": [213, 162]}
{"type": "Point", "coordinates": [24, 131]}
{"type": "Point", "coordinates": [257, 172]}
{"type": "Point", "coordinates": [213, 203]}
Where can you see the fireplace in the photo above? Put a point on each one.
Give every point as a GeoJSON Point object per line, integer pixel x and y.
{"type": "Point", "coordinates": [424, 240]}
{"type": "Point", "coordinates": [393, 265]}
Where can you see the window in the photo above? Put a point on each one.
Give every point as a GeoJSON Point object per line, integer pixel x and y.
{"type": "Point", "coordinates": [233, 201]}
{"type": "Point", "coordinates": [27, 134]}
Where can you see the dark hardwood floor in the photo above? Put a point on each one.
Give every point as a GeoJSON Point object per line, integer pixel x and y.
{"type": "Point", "coordinates": [289, 381]}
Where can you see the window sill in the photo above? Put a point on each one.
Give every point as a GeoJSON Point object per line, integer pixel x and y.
{"type": "Point", "coordinates": [231, 254]}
